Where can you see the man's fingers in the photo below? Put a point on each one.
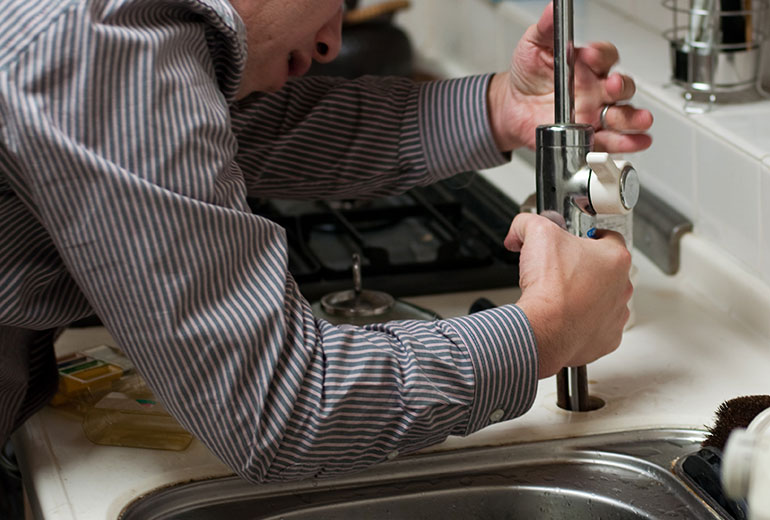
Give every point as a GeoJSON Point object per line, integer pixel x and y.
{"type": "Point", "coordinates": [515, 237]}
{"type": "Point", "coordinates": [541, 34]}
{"type": "Point", "coordinates": [619, 87]}
{"type": "Point", "coordinates": [523, 223]}
{"type": "Point", "coordinates": [614, 142]}
{"type": "Point", "coordinates": [600, 57]}
{"type": "Point", "coordinates": [624, 118]}
{"type": "Point", "coordinates": [624, 130]}
{"type": "Point", "coordinates": [609, 235]}
{"type": "Point", "coordinates": [518, 231]}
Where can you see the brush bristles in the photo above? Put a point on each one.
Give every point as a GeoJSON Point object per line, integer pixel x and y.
{"type": "Point", "coordinates": [735, 413]}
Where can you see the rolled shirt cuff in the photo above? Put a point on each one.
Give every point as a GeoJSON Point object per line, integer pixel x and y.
{"type": "Point", "coordinates": [503, 352]}
{"type": "Point", "coordinates": [454, 126]}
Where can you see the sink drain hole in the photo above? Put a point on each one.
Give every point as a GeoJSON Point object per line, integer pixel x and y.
{"type": "Point", "coordinates": [572, 390]}
{"type": "Point", "coordinates": [594, 403]}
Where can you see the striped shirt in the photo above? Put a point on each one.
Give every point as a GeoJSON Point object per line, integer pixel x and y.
{"type": "Point", "coordinates": [125, 163]}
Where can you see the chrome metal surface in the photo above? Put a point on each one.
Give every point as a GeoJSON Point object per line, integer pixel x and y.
{"type": "Point", "coordinates": [563, 177]}
{"type": "Point", "coordinates": [562, 186]}
{"type": "Point", "coordinates": [400, 310]}
{"type": "Point", "coordinates": [715, 72]}
{"type": "Point", "coordinates": [558, 136]}
{"type": "Point", "coordinates": [614, 476]}
{"type": "Point", "coordinates": [603, 117]}
{"type": "Point", "coordinates": [578, 388]}
{"type": "Point", "coordinates": [358, 302]}
{"type": "Point", "coordinates": [629, 187]}
{"type": "Point", "coordinates": [563, 56]}
{"type": "Point", "coordinates": [561, 161]}
{"type": "Point", "coordinates": [716, 47]}
{"type": "Point", "coordinates": [357, 284]}
{"type": "Point", "coordinates": [562, 174]}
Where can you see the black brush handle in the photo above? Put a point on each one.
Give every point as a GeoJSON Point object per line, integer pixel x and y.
{"type": "Point", "coordinates": [704, 468]}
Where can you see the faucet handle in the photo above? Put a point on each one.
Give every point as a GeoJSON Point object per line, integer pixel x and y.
{"type": "Point", "coordinates": [613, 186]}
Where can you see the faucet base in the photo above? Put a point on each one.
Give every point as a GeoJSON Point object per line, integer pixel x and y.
{"type": "Point", "coordinates": [572, 391]}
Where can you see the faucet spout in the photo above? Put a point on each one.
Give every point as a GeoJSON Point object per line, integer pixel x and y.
{"type": "Point", "coordinates": [564, 61]}
{"type": "Point", "coordinates": [563, 186]}
{"type": "Point", "coordinates": [572, 180]}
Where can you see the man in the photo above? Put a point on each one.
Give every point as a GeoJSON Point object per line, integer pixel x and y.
{"type": "Point", "coordinates": [132, 131]}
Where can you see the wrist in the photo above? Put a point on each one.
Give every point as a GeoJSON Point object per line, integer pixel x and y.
{"type": "Point", "coordinates": [545, 323]}
{"type": "Point", "coordinates": [506, 129]}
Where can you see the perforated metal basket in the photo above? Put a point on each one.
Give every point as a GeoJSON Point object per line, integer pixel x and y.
{"type": "Point", "coordinates": [716, 45]}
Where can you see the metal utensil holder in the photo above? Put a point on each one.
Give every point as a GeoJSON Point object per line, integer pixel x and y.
{"type": "Point", "coordinates": [716, 48]}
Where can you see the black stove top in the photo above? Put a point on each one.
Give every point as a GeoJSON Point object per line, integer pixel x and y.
{"type": "Point", "coordinates": [447, 237]}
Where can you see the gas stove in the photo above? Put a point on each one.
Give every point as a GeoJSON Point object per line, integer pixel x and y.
{"type": "Point", "coordinates": [439, 239]}
{"type": "Point", "coordinates": [443, 238]}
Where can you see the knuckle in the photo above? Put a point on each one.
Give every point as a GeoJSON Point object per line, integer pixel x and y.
{"type": "Point", "coordinates": [544, 226]}
{"type": "Point", "coordinates": [620, 258]}
{"type": "Point", "coordinates": [628, 293]}
{"type": "Point", "coordinates": [623, 258]}
{"type": "Point", "coordinates": [626, 314]}
{"type": "Point", "coordinates": [616, 340]}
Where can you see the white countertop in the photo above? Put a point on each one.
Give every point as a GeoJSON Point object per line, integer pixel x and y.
{"type": "Point", "coordinates": [700, 338]}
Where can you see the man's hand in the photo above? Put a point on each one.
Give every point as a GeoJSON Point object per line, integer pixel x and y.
{"type": "Point", "coordinates": [523, 98]}
{"type": "Point", "coordinates": [575, 291]}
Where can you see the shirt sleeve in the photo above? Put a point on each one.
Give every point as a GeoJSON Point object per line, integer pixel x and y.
{"type": "Point", "coordinates": [370, 137]}
{"type": "Point", "coordinates": [131, 168]}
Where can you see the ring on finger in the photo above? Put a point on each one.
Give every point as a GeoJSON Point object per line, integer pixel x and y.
{"type": "Point", "coordinates": [603, 117]}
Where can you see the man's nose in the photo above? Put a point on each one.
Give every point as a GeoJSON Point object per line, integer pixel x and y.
{"type": "Point", "coordinates": [329, 40]}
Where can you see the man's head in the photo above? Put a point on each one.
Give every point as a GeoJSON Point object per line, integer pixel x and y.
{"type": "Point", "coordinates": [284, 37]}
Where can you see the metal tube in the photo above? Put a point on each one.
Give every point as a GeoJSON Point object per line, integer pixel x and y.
{"type": "Point", "coordinates": [562, 187]}
{"type": "Point", "coordinates": [563, 63]}
{"type": "Point", "coordinates": [564, 177]}
{"type": "Point", "coordinates": [557, 164]}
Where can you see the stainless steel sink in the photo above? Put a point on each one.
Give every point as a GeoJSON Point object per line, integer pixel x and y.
{"type": "Point", "coordinates": [613, 476]}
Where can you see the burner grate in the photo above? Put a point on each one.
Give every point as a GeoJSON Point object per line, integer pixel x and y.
{"type": "Point", "coordinates": [430, 240]}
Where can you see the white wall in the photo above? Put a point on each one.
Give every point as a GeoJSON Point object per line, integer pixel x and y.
{"type": "Point", "coordinates": [713, 167]}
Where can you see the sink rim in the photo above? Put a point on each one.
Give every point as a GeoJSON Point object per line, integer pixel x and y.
{"type": "Point", "coordinates": [650, 451]}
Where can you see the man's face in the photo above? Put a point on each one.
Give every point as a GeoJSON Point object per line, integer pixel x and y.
{"type": "Point", "coordinates": [284, 37]}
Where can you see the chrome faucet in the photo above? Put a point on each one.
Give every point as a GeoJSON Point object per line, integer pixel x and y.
{"type": "Point", "coordinates": [572, 180]}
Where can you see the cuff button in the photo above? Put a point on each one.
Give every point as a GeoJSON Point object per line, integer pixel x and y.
{"type": "Point", "coordinates": [496, 416]}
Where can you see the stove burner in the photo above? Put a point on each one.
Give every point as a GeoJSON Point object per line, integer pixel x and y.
{"type": "Point", "coordinates": [435, 239]}
{"type": "Point", "coordinates": [358, 302]}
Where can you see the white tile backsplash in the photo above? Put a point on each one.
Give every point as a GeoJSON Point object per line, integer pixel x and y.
{"type": "Point", "coordinates": [667, 166]}
{"type": "Point", "coordinates": [417, 21]}
{"type": "Point", "coordinates": [652, 14]}
{"type": "Point", "coordinates": [445, 23]}
{"type": "Point", "coordinates": [709, 167]}
{"type": "Point", "coordinates": [764, 224]}
{"type": "Point", "coordinates": [728, 197]}
{"type": "Point", "coordinates": [749, 123]}
{"type": "Point", "coordinates": [481, 46]}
